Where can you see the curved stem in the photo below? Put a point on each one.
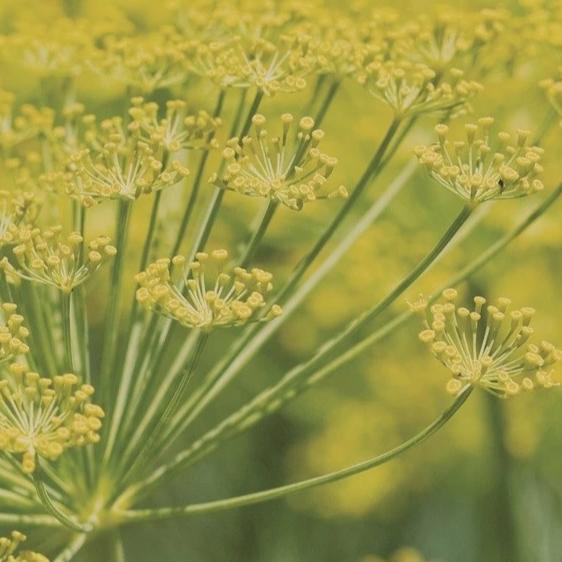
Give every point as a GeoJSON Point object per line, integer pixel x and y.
{"type": "Point", "coordinates": [282, 491]}
{"type": "Point", "coordinates": [50, 506]}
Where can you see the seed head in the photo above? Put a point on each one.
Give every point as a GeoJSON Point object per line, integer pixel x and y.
{"type": "Point", "coordinates": [52, 258]}
{"type": "Point", "coordinates": [289, 168]}
{"type": "Point", "coordinates": [488, 346]}
{"type": "Point", "coordinates": [204, 295]}
{"type": "Point", "coordinates": [9, 547]}
{"type": "Point", "coordinates": [478, 168]}
{"type": "Point", "coordinates": [43, 417]}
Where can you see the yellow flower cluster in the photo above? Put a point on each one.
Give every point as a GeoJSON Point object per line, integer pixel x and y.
{"type": "Point", "coordinates": [288, 168]}
{"type": "Point", "coordinates": [411, 88]}
{"type": "Point", "coordinates": [12, 333]}
{"type": "Point", "coordinates": [177, 130]}
{"type": "Point", "coordinates": [16, 209]}
{"type": "Point", "coordinates": [479, 169]}
{"type": "Point", "coordinates": [553, 90]}
{"type": "Point", "coordinates": [117, 162]}
{"type": "Point", "coordinates": [52, 258]}
{"type": "Point", "coordinates": [43, 417]}
{"type": "Point", "coordinates": [487, 346]}
{"type": "Point", "coordinates": [9, 547]}
{"type": "Point", "coordinates": [204, 295]}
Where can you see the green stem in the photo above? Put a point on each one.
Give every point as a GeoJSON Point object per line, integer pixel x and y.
{"type": "Point", "coordinates": [282, 491]}
{"type": "Point", "coordinates": [327, 102]}
{"type": "Point", "coordinates": [197, 182]}
{"type": "Point", "coordinates": [259, 233]}
{"type": "Point", "coordinates": [112, 320]}
{"type": "Point", "coordinates": [50, 506]}
{"type": "Point", "coordinates": [23, 520]}
{"type": "Point", "coordinates": [66, 330]}
{"type": "Point", "coordinates": [72, 549]}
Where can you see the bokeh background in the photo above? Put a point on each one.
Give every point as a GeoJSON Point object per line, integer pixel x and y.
{"type": "Point", "coordinates": [488, 487]}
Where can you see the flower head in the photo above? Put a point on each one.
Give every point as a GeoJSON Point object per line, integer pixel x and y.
{"type": "Point", "coordinates": [271, 67]}
{"type": "Point", "coordinates": [43, 417]}
{"type": "Point", "coordinates": [481, 168]}
{"type": "Point", "coordinates": [144, 63]}
{"type": "Point", "coordinates": [16, 209]}
{"type": "Point", "coordinates": [411, 88]}
{"type": "Point", "coordinates": [9, 547]}
{"type": "Point", "coordinates": [487, 346]}
{"type": "Point", "coordinates": [53, 258]}
{"type": "Point", "coordinates": [178, 129]}
{"type": "Point", "coordinates": [202, 294]}
{"type": "Point", "coordinates": [120, 162]}
{"type": "Point", "coordinates": [12, 333]}
{"type": "Point", "coordinates": [287, 168]}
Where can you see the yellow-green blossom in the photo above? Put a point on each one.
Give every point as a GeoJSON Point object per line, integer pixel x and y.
{"type": "Point", "coordinates": [9, 550]}
{"type": "Point", "coordinates": [481, 167]}
{"type": "Point", "coordinates": [43, 417]}
{"type": "Point", "coordinates": [487, 346]}
{"type": "Point", "coordinates": [288, 168]}
{"type": "Point", "coordinates": [12, 333]}
{"type": "Point", "coordinates": [52, 258]}
{"type": "Point", "coordinates": [205, 294]}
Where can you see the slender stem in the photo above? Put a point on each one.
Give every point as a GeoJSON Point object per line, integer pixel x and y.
{"type": "Point", "coordinates": [50, 506]}
{"type": "Point", "coordinates": [150, 433]}
{"type": "Point", "coordinates": [327, 102]}
{"type": "Point", "coordinates": [112, 320]}
{"type": "Point", "coordinates": [282, 491]}
{"type": "Point", "coordinates": [259, 233]}
{"type": "Point", "coordinates": [66, 330]}
{"type": "Point", "coordinates": [197, 182]}
{"type": "Point", "coordinates": [72, 549]}
{"type": "Point", "coordinates": [24, 520]}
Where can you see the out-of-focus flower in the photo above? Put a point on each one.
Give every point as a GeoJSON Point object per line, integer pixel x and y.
{"type": "Point", "coordinates": [493, 353]}
{"type": "Point", "coordinates": [43, 417]}
{"type": "Point", "coordinates": [12, 333]}
{"type": "Point", "coordinates": [178, 129]}
{"type": "Point", "coordinates": [202, 294]}
{"type": "Point", "coordinates": [119, 162]}
{"type": "Point", "coordinates": [144, 63]}
{"type": "Point", "coordinates": [553, 90]}
{"type": "Point", "coordinates": [411, 88]}
{"type": "Point", "coordinates": [9, 550]}
{"type": "Point", "coordinates": [16, 209]}
{"type": "Point", "coordinates": [479, 169]}
{"type": "Point", "coordinates": [51, 258]}
{"type": "Point", "coordinates": [288, 168]}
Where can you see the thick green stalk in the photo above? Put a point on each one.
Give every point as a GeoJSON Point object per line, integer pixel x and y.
{"type": "Point", "coordinates": [283, 491]}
